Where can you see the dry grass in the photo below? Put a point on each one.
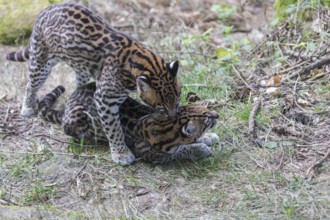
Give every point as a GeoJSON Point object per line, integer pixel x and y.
{"type": "Point", "coordinates": [262, 176]}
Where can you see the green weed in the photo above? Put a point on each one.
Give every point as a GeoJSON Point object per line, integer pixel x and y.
{"type": "Point", "coordinates": [38, 193]}
{"type": "Point", "coordinates": [75, 148]}
{"type": "Point", "coordinates": [290, 210]}
{"type": "Point", "coordinates": [223, 11]}
{"type": "Point", "coordinates": [18, 169]}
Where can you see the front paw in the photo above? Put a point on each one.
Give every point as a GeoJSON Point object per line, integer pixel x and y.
{"type": "Point", "coordinates": [204, 151]}
{"type": "Point", "coordinates": [209, 139]}
{"type": "Point", "coordinates": [28, 111]}
{"type": "Point", "coordinates": [123, 158]}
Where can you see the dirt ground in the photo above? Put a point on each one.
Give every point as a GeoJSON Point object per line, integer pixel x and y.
{"type": "Point", "coordinates": [277, 168]}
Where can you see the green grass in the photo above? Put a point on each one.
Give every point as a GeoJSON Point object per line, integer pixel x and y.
{"type": "Point", "coordinates": [38, 193]}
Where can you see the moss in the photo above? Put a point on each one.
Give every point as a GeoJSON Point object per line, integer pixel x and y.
{"type": "Point", "coordinates": [285, 8]}
{"type": "Point", "coordinates": [17, 19]}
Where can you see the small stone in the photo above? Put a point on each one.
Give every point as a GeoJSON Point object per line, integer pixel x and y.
{"type": "Point", "coordinates": [274, 91]}
{"type": "Point", "coordinates": [303, 102]}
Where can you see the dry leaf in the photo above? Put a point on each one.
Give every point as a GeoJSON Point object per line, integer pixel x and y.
{"type": "Point", "coordinates": [275, 80]}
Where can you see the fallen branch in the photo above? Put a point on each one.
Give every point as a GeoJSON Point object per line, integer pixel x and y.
{"type": "Point", "coordinates": [308, 68]}
{"type": "Point", "coordinates": [253, 113]}
{"type": "Point", "coordinates": [319, 163]}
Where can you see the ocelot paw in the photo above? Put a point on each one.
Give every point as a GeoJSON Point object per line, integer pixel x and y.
{"type": "Point", "coordinates": [204, 151]}
{"type": "Point", "coordinates": [209, 139]}
{"type": "Point", "coordinates": [123, 158]}
{"type": "Point", "coordinates": [28, 111]}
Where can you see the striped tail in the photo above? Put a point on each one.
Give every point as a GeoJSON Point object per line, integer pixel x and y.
{"type": "Point", "coordinates": [45, 106]}
{"type": "Point", "coordinates": [19, 56]}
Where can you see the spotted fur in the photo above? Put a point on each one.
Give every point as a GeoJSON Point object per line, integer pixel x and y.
{"type": "Point", "coordinates": [155, 137]}
{"type": "Point", "coordinates": [75, 35]}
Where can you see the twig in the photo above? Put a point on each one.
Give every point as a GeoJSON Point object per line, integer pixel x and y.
{"type": "Point", "coordinates": [319, 163]}
{"type": "Point", "coordinates": [256, 161]}
{"type": "Point", "coordinates": [54, 139]}
{"type": "Point", "coordinates": [27, 127]}
{"type": "Point", "coordinates": [291, 68]}
{"type": "Point", "coordinates": [4, 202]}
{"type": "Point", "coordinates": [80, 170]}
{"type": "Point", "coordinates": [253, 113]}
{"type": "Point", "coordinates": [241, 77]}
{"type": "Point", "coordinates": [310, 67]}
{"type": "Point", "coordinates": [55, 153]}
{"type": "Point", "coordinates": [64, 142]}
{"type": "Point", "coordinates": [318, 76]}
{"type": "Point", "coordinates": [317, 64]}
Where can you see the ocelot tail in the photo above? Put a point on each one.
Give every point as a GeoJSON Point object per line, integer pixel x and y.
{"type": "Point", "coordinates": [75, 35]}
{"type": "Point", "coordinates": [154, 137]}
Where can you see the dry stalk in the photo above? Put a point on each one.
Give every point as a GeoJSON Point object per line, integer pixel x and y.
{"type": "Point", "coordinates": [253, 113]}
{"type": "Point", "coordinates": [241, 77]}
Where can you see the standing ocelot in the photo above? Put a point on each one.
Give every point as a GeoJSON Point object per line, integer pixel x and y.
{"type": "Point", "coordinates": [75, 35]}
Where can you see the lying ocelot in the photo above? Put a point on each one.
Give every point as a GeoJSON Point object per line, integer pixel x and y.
{"type": "Point", "coordinates": [154, 137]}
{"type": "Point", "coordinates": [120, 64]}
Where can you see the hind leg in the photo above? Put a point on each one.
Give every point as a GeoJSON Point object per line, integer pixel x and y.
{"type": "Point", "coordinates": [38, 73]}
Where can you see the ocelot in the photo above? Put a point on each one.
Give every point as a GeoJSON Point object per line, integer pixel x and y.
{"type": "Point", "coordinates": [120, 64]}
{"type": "Point", "coordinates": [154, 137]}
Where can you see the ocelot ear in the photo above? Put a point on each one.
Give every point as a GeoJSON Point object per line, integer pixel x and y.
{"type": "Point", "coordinates": [189, 129]}
{"type": "Point", "coordinates": [173, 68]}
{"type": "Point", "coordinates": [142, 84]}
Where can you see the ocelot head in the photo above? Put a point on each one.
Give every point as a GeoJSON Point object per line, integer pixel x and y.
{"type": "Point", "coordinates": [197, 119]}
{"type": "Point", "coordinates": [186, 127]}
{"type": "Point", "coordinates": [162, 92]}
